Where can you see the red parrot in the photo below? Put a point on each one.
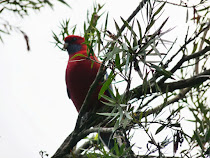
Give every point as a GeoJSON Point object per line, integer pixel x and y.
{"type": "Point", "coordinates": [80, 71]}
{"type": "Point", "coordinates": [80, 74]}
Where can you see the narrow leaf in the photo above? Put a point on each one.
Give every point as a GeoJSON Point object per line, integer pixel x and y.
{"type": "Point", "coordinates": [108, 114]}
{"type": "Point", "coordinates": [160, 129]}
{"type": "Point", "coordinates": [106, 84]}
{"type": "Point", "coordinates": [76, 55]}
{"type": "Point", "coordinates": [159, 9]}
{"type": "Point", "coordinates": [128, 26]}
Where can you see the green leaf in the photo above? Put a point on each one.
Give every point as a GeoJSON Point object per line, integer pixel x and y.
{"type": "Point", "coordinates": [76, 55]}
{"type": "Point", "coordinates": [128, 26]}
{"type": "Point", "coordinates": [150, 25]}
{"type": "Point", "coordinates": [108, 114]}
{"type": "Point", "coordinates": [118, 96]}
{"type": "Point", "coordinates": [159, 9]}
{"type": "Point", "coordinates": [108, 104]}
{"type": "Point", "coordinates": [120, 113]}
{"type": "Point", "coordinates": [110, 55]}
{"type": "Point", "coordinates": [140, 32]}
{"type": "Point", "coordinates": [195, 45]}
{"type": "Point", "coordinates": [116, 148]}
{"type": "Point", "coordinates": [106, 22]}
{"type": "Point", "coordinates": [123, 105]}
{"type": "Point", "coordinates": [127, 62]}
{"type": "Point", "coordinates": [145, 84]}
{"type": "Point", "coordinates": [207, 134]}
{"type": "Point", "coordinates": [158, 89]}
{"type": "Point", "coordinates": [127, 41]}
{"type": "Point", "coordinates": [116, 126]}
{"type": "Point", "coordinates": [140, 116]}
{"type": "Point", "coordinates": [124, 47]}
{"type": "Point", "coordinates": [160, 129]}
{"type": "Point", "coordinates": [128, 115]}
{"type": "Point", "coordinates": [92, 63]}
{"type": "Point", "coordinates": [117, 28]}
{"type": "Point", "coordinates": [85, 27]}
{"type": "Point", "coordinates": [198, 139]}
{"type": "Point", "coordinates": [106, 84]}
{"type": "Point", "coordinates": [110, 100]}
{"type": "Point", "coordinates": [166, 73]}
{"type": "Point", "coordinates": [155, 49]}
{"type": "Point", "coordinates": [187, 15]}
{"type": "Point", "coordinates": [74, 29]}
{"type": "Point", "coordinates": [117, 62]}
{"type": "Point", "coordinates": [125, 122]}
{"type": "Point", "coordinates": [2, 10]}
{"type": "Point", "coordinates": [207, 41]}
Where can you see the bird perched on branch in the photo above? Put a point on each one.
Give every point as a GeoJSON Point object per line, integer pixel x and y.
{"type": "Point", "coordinates": [81, 71]}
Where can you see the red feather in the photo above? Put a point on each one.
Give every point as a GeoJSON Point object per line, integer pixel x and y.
{"type": "Point", "coordinates": [80, 73]}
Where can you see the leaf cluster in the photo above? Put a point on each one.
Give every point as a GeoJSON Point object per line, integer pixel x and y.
{"type": "Point", "coordinates": [166, 87]}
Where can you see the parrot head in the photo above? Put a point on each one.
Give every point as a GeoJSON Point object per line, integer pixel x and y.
{"type": "Point", "coordinates": [74, 44]}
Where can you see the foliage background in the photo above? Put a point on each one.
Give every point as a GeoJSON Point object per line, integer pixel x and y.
{"type": "Point", "coordinates": [33, 90]}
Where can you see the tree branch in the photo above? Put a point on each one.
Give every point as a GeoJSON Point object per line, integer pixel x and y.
{"type": "Point", "coordinates": [185, 44]}
{"type": "Point", "coordinates": [169, 87]}
{"type": "Point", "coordinates": [189, 57]}
{"type": "Point", "coordinates": [184, 57]}
{"type": "Point", "coordinates": [193, 81]}
{"type": "Point", "coordinates": [75, 137]}
{"type": "Point", "coordinates": [181, 95]}
{"type": "Point", "coordinates": [85, 146]}
{"type": "Point", "coordinates": [137, 92]}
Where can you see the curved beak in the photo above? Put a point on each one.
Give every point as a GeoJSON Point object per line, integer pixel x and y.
{"type": "Point", "coordinates": [65, 45]}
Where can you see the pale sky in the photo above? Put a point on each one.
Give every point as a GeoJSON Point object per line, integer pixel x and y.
{"type": "Point", "coordinates": [35, 112]}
